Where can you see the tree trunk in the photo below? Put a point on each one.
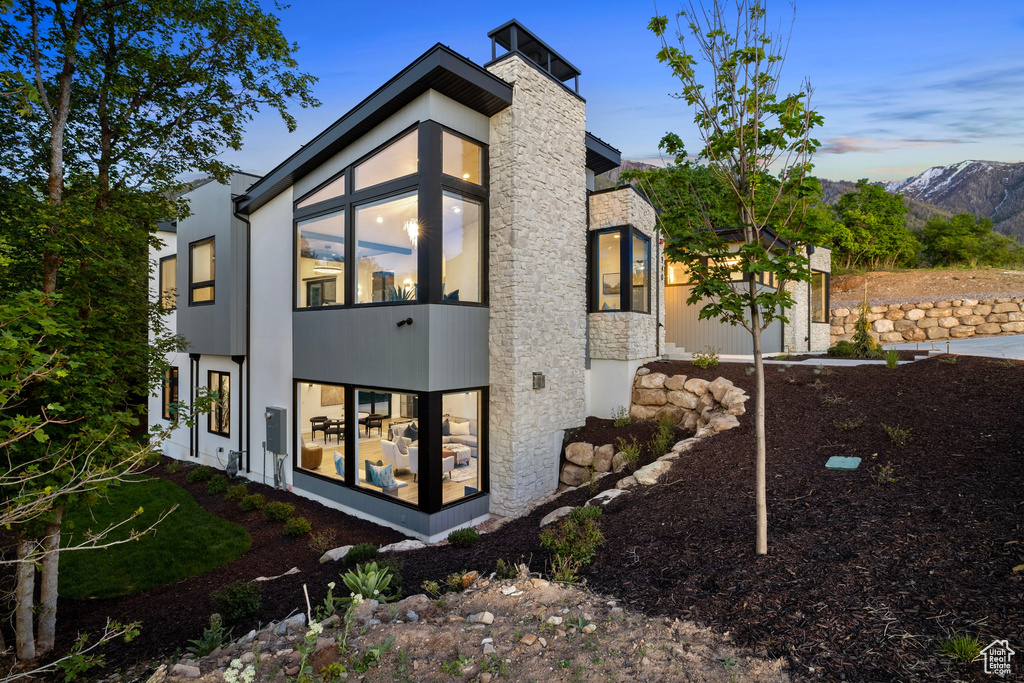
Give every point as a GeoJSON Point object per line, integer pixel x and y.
{"type": "Point", "coordinates": [48, 590]}
{"type": "Point", "coordinates": [760, 493]}
{"type": "Point", "coordinates": [24, 594]}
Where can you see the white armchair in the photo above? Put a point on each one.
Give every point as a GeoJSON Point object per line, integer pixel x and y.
{"type": "Point", "coordinates": [392, 456]}
{"type": "Point", "coordinates": [414, 461]}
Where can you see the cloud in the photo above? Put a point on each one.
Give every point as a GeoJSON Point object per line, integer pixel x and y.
{"type": "Point", "coordinates": [845, 145]}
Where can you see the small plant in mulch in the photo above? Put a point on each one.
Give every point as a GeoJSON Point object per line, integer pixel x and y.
{"type": "Point", "coordinates": [708, 358]}
{"type": "Point", "coordinates": [884, 474]}
{"type": "Point", "coordinates": [620, 416]}
{"type": "Point", "coordinates": [368, 581]}
{"type": "Point", "coordinates": [892, 358]}
{"type": "Point", "coordinates": [238, 601]}
{"type": "Point", "coordinates": [361, 553]}
{"type": "Point", "coordinates": [899, 435]}
{"type": "Point", "coordinates": [277, 511]}
{"type": "Point", "coordinates": [962, 647]}
{"type": "Point", "coordinates": [820, 369]}
{"type": "Point", "coordinates": [322, 541]}
{"type": "Point", "coordinates": [214, 636]}
{"type": "Point", "coordinates": [662, 439]}
{"type": "Point", "coordinates": [217, 484]}
{"type": "Point", "coordinates": [573, 542]}
{"type": "Point", "coordinates": [236, 492]}
{"type": "Point", "coordinates": [862, 345]}
{"type": "Point", "coordinates": [296, 527]}
{"type": "Point", "coordinates": [173, 467]}
{"type": "Point", "coordinates": [201, 473]}
{"type": "Point", "coordinates": [463, 538]}
{"type": "Point", "coordinates": [950, 360]}
{"type": "Point", "coordinates": [833, 400]}
{"type": "Point", "coordinates": [256, 501]}
{"type": "Point", "coordinates": [505, 570]}
{"type": "Point", "coordinates": [850, 423]}
{"type": "Point", "coordinates": [630, 451]}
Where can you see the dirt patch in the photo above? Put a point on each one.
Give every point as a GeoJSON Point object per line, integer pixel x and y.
{"type": "Point", "coordinates": [912, 286]}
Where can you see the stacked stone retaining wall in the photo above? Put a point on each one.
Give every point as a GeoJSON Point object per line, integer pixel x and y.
{"type": "Point", "coordinates": [933, 320]}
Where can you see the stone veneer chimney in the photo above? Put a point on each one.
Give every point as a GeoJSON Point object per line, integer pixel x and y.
{"type": "Point", "coordinates": [538, 262]}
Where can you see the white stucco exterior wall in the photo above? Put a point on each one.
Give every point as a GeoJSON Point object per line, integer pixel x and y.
{"type": "Point", "coordinates": [537, 279]}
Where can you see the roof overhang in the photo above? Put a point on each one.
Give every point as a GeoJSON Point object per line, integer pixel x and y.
{"type": "Point", "coordinates": [439, 68]}
{"type": "Point", "coordinates": [601, 156]}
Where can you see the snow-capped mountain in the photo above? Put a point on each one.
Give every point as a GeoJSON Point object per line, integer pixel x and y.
{"type": "Point", "coordinates": [985, 188]}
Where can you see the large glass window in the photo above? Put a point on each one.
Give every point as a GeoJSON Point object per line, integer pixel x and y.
{"type": "Point", "coordinates": [220, 412]}
{"type": "Point", "coordinates": [397, 160]}
{"type": "Point", "coordinates": [460, 262]}
{"type": "Point", "coordinates": [461, 158]}
{"type": "Point", "coordinates": [620, 270]}
{"type": "Point", "coordinates": [201, 268]}
{"type": "Point", "coordinates": [641, 276]}
{"type": "Point", "coordinates": [170, 394]}
{"type": "Point", "coordinates": [388, 444]}
{"type": "Point", "coordinates": [676, 274]}
{"type": "Point", "coordinates": [387, 235]}
{"type": "Point", "coordinates": [335, 188]}
{"type": "Point", "coordinates": [819, 297]}
{"type": "Point", "coordinates": [460, 445]}
{"type": "Point", "coordinates": [321, 429]}
{"type": "Point", "coordinates": [169, 282]}
{"type": "Point", "coordinates": [321, 261]}
{"type": "Point", "coordinates": [608, 272]}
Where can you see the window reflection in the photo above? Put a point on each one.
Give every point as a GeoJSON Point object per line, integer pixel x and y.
{"type": "Point", "coordinates": [460, 446]}
{"type": "Point", "coordinates": [387, 236]}
{"type": "Point", "coordinates": [321, 260]}
{"type": "Point", "coordinates": [461, 158]}
{"type": "Point", "coordinates": [460, 262]}
{"type": "Point", "coordinates": [335, 188]}
{"type": "Point", "coordinates": [397, 160]}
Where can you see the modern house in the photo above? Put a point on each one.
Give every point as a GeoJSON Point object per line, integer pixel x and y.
{"type": "Point", "coordinates": [402, 318]}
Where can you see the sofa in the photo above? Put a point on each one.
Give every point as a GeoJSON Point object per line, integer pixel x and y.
{"type": "Point", "coordinates": [469, 439]}
{"type": "Point", "coordinates": [312, 455]}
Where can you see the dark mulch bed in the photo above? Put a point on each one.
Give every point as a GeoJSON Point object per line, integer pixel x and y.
{"type": "Point", "coordinates": [862, 580]}
{"type": "Point", "coordinates": [905, 354]}
{"type": "Point", "coordinates": [174, 614]}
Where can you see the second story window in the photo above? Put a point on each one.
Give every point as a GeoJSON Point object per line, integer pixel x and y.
{"type": "Point", "coordinates": [397, 160]}
{"type": "Point", "coordinates": [620, 270]}
{"type": "Point", "coordinates": [169, 283]}
{"type": "Point", "coordinates": [201, 272]}
{"type": "Point", "coordinates": [387, 237]}
{"type": "Point", "coordinates": [321, 260]}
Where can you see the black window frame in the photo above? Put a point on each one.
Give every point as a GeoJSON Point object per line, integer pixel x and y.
{"type": "Point", "coordinates": [223, 403]}
{"type": "Point", "coordinates": [429, 183]}
{"type": "Point", "coordinates": [626, 233]}
{"type": "Point", "coordinates": [160, 282]}
{"type": "Point", "coordinates": [826, 309]}
{"type": "Point", "coordinates": [193, 286]}
{"type": "Point", "coordinates": [430, 411]}
{"type": "Point", "coordinates": [170, 386]}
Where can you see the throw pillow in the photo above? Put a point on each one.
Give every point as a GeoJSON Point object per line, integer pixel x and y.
{"type": "Point", "coordinates": [403, 445]}
{"type": "Point", "coordinates": [412, 433]}
{"type": "Point", "coordinates": [382, 476]}
{"type": "Point", "coordinates": [445, 428]}
{"type": "Point", "coordinates": [367, 464]}
{"type": "Point", "coordinates": [339, 464]}
{"type": "Point", "coordinates": [460, 428]}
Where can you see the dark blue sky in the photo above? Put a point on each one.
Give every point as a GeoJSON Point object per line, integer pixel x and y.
{"type": "Point", "coordinates": [902, 84]}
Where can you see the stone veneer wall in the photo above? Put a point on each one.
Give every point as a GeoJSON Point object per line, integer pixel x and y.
{"type": "Point", "coordinates": [537, 282]}
{"type": "Point", "coordinates": [931, 320]}
{"type": "Point", "coordinates": [629, 336]}
{"type": "Point", "coordinates": [797, 336]}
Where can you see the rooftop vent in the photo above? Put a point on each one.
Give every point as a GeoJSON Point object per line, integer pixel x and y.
{"type": "Point", "coordinates": [514, 37]}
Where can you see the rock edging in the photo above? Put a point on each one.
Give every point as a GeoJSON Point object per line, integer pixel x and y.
{"type": "Point", "coordinates": [933, 320]}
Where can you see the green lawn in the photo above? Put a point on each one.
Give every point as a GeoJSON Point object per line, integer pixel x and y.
{"type": "Point", "coordinates": [190, 541]}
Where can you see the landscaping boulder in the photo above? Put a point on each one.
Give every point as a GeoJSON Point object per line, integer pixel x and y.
{"type": "Point", "coordinates": [581, 454]}
{"type": "Point", "coordinates": [603, 458]}
{"type": "Point", "coordinates": [649, 474]}
{"type": "Point", "coordinates": [555, 515]}
{"type": "Point", "coordinates": [697, 386]}
{"type": "Point", "coordinates": [718, 388]}
{"type": "Point", "coordinates": [574, 475]}
{"type": "Point", "coordinates": [626, 482]}
{"type": "Point", "coordinates": [335, 554]}
{"type": "Point", "coordinates": [605, 497]}
{"type": "Point", "coordinates": [618, 462]}
{"type": "Point", "coordinates": [638, 412]}
{"type": "Point", "coordinates": [720, 422]}
{"type": "Point", "coordinates": [685, 445]}
{"type": "Point", "coordinates": [672, 413]}
{"type": "Point", "coordinates": [649, 397]}
{"type": "Point", "coordinates": [675, 382]}
{"type": "Point", "coordinates": [402, 546]}
{"type": "Point", "coordinates": [655, 380]}
{"type": "Point", "coordinates": [683, 399]}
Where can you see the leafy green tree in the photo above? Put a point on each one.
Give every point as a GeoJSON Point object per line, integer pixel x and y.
{"type": "Point", "coordinates": [965, 239]}
{"type": "Point", "coordinates": [758, 146]}
{"type": "Point", "coordinates": [110, 102]}
{"type": "Point", "coordinates": [871, 230]}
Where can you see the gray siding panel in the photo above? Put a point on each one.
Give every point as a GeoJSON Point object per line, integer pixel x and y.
{"type": "Point", "coordinates": [407, 518]}
{"type": "Point", "coordinates": [683, 328]}
{"type": "Point", "coordinates": [444, 348]}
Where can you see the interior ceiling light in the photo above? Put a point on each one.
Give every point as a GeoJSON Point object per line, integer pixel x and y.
{"type": "Point", "coordinates": [412, 229]}
{"type": "Point", "coordinates": [465, 176]}
{"type": "Point", "coordinates": [325, 266]}
{"type": "Point", "coordinates": [380, 219]}
{"type": "Point", "coordinates": [457, 209]}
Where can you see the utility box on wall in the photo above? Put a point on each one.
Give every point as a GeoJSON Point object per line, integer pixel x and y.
{"type": "Point", "coordinates": [277, 437]}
